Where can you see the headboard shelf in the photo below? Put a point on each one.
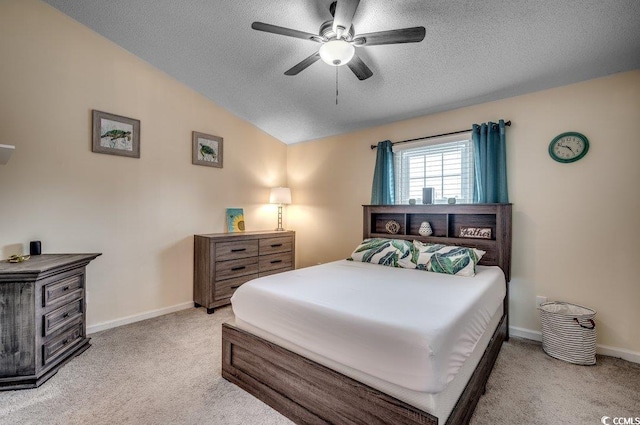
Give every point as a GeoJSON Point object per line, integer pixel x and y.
{"type": "Point", "coordinates": [446, 222]}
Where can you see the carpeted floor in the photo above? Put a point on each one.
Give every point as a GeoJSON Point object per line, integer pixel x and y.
{"type": "Point", "coordinates": [167, 371]}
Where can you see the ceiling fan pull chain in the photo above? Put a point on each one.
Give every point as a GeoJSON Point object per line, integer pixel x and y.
{"type": "Point", "coordinates": [336, 85]}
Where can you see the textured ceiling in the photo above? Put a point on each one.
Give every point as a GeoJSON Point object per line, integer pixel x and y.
{"type": "Point", "coordinates": [473, 52]}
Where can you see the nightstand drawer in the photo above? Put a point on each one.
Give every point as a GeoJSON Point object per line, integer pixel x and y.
{"type": "Point", "coordinates": [63, 316]}
{"type": "Point", "coordinates": [236, 268]}
{"type": "Point", "coordinates": [275, 245]}
{"type": "Point", "coordinates": [275, 261]}
{"type": "Point", "coordinates": [63, 290]}
{"type": "Point", "coordinates": [235, 250]}
{"type": "Point", "coordinates": [226, 288]}
{"type": "Point", "coordinates": [59, 345]}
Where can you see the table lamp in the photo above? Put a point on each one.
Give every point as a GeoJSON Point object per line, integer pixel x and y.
{"type": "Point", "coordinates": [280, 196]}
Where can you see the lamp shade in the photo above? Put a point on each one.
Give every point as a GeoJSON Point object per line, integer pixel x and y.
{"type": "Point", "coordinates": [280, 195]}
{"type": "Point", "coordinates": [336, 52]}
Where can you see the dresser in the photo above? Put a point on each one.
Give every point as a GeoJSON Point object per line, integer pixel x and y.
{"type": "Point", "coordinates": [42, 317]}
{"type": "Point", "coordinates": [224, 261]}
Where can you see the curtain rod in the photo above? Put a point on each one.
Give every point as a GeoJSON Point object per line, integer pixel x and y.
{"type": "Point", "coordinates": [508, 124]}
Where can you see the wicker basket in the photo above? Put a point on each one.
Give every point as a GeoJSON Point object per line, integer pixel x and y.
{"type": "Point", "coordinates": [568, 332]}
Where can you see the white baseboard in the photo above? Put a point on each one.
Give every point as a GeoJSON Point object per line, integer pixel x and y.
{"type": "Point", "coordinates": [605, 350]}
{"type": "Point", "coordinates": [624, 354]}
{"type": "Point", "coordinates": [525, 333]}
{"type": "Point", "coordinates": [138, 317]}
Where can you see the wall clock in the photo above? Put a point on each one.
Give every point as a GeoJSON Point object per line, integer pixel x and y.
{"type": "Point", "coordinates": [568, 147]}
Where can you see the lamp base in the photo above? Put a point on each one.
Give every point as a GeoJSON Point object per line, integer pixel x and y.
{"type": "Point", "coordinates": [280, 228]}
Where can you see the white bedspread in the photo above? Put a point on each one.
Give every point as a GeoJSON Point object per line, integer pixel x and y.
{"type": "Point", "coordinates": [412, 328]}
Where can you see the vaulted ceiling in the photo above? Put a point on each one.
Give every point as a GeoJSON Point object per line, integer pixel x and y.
{"type": "Point", "coordinates": [473, 52]}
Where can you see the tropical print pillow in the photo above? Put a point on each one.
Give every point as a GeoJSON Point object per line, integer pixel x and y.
{"type": "Point", "coordinates": [456, 260]}
{"type": "Point", "coordinates": [388, 252]}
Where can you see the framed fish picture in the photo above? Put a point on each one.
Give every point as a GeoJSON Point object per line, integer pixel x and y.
{"type": "Point", "coordinates": [206, 150]}
{"type": "Point", "coordinates": [115, 135]}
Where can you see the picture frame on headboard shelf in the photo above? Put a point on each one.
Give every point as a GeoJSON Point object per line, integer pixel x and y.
{"type": "Point", "coordinates": [475, 232]}
{"type": "Point", "coordinates": [115, 135]}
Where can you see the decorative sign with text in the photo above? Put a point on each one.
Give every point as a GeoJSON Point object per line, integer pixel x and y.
{"type": "Point", "coordinates": [475, 232]}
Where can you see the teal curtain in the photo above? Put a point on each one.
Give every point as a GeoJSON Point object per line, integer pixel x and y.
{"type": "Point", "coordinates": [383, 191]}
{"type": "Point", "coordinates": [490, 160]}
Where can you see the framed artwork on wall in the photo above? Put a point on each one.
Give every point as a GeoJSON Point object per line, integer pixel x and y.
{"type": "Point", "coordinates": [235, 220]}
{"type": "Point", "coordinates": [115, 135]}
{"type": "Point", "coordinates": [206, 150]}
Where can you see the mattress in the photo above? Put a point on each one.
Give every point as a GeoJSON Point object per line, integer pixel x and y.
{"type": "Point", "coordinates": [409, 328]}
{"type": "Point", "coordinates": [439, 404]}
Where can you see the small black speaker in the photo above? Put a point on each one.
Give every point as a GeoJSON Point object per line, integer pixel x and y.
{"type": "Point", "coordinates": [427, 195]}
{"type": "Point", "coordinates": [35, 248]}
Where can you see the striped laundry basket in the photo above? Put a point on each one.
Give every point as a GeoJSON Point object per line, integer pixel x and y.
{"type": "Point", "coordinates": [568, 332]}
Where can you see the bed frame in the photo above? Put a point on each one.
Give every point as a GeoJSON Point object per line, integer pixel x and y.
{"type": "Point", "coordinates": [309, 393]}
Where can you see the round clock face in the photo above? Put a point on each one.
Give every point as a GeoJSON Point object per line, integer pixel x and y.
{"type": "Point", "coordinates": [568, 147]}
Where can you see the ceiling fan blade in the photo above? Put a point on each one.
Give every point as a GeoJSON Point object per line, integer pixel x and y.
{"type": "Point", "coordinates": [303, 65]}
{"type": "Point", "coordinates": [359, 68]}
{"type": "Point", "coordinates": [345, 9]}
{"type": "Point", "coordinates": [261, 26]}
{"type": "Point", "coordinates": [405, 35]}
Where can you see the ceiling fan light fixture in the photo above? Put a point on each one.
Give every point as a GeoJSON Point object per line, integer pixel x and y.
{"type": "Point", "coordinates": [336, 52]}
{"type": "Point", "coordinates": [338, 40]}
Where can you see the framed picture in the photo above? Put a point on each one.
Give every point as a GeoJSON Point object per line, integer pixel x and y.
{"type": "Point", "coordinates": [235, 220]}
{"type": "Point", "coordinates": [115, 135]}
{"type": "Point", "coordinates": [206, 150]}
{"type": "Point", "coordinates": [475, 232]}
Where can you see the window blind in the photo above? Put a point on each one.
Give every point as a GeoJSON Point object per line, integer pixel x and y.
{"type": "Point", "coordinates": [443, 164]}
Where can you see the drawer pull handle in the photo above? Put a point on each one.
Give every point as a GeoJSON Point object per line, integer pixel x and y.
{"type": "Point", "coordinates": [235, 286]}
{"type": "Point", "coordinates": [275, 245]}
{"type": "Point", "coordinates": [66, 288]}
{"type": "Point", "coordinates": [235, 269]}
{"type": "Point", "coordinates": [65, 342]}
{"type": "Point", "coordinates": [276, 261]}
{"type": "Point", "coordinates": [238, 249]}
{"type": "Point", "coordinates": [64, 316]}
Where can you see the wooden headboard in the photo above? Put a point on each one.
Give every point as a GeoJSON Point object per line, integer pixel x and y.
{"type": "Point", "coordinates": [446, 222]}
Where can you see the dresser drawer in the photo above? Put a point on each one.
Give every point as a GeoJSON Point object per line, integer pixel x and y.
{"type": "Point", "coordinates": [275, 245]}
{"type": "Point", "coordinates": [63, 316]}
{"type": "Point", "coordinates": [226, 288]}
{"type": "Point", "coordinates": [235, 250]}
{"type": "Point", "coordinates": [236, 268]}
{"type": "Point", "coordinates": [63, 290]}
{"type": "Point", "coordinates": [60, 344]}
{"type": "Point", "coordinates": [275, 261]}
{"type": "Point", "coordinates": [270, 272]}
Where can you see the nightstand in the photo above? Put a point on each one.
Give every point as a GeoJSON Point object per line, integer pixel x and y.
{"type": "Point", "coordinates": [42, 317]}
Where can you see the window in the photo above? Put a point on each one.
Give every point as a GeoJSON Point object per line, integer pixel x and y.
{"type": "Point", "coordinates": [446, 164]}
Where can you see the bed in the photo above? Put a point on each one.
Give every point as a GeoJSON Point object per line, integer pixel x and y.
{"type": "Point", "coordinates": [337, 343]}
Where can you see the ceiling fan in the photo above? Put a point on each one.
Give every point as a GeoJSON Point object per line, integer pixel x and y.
{"type": "Point", "coordinates": [339, 41]}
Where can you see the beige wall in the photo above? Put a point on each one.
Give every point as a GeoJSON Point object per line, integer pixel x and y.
{"type": "Point", "coordinates": [140, 213]}
{"type": "Point", "coordinates": [575, 226]}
